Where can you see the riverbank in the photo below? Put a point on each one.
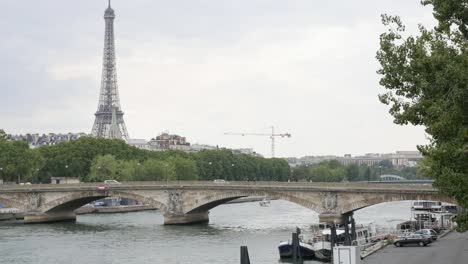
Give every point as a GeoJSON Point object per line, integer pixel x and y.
{"type": "Point", "coordinates": [382, 244]}
{"type": "Point", "coordinates": [449, 248]}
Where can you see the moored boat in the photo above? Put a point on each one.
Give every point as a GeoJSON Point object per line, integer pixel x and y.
{"type": "Point", "coordinates": [265, 202]}
{"type": "Point", "coordinates": [319, 246]}
{"type": "Point", "coordinates": [285, 249]}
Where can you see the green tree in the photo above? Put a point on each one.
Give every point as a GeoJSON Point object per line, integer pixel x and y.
{"type": "Point", "coordinates": [352, 172]}
{"type": "Point", "coordinates": [300, 172]}
{"type": "Point", "coordinates": [368, 174]}
{"type": "Point", "coordinates": [74, 158]}
{"type": "Point", "coordinates": [104, 168]}
{"type": "Point", "coordinates": [129, 170]}
{"type": "Point", "coordinates": [327, 171]}
{"type": "Point", "coordinates": [185, 169]}
{"type": "Point", "coordinates": [155, 170]}
{"type": "Point", "coordinates": [18, 161]}
{"type": "Point", "coordinates": [427, 83]}
{"type": "Point", "coordinates": [3, 136]}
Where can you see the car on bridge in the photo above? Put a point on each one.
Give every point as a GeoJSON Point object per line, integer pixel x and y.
{"type": "Point", "coordinates": [219, 181]}
{"type": "Point", "coordinates": [111, 182]}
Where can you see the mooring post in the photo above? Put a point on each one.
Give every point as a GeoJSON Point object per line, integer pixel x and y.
{"type": "Point", "coordinates": [295, 243]}
{"type": "Point", "coordinates": [333, 235]}
{"type": "Point", "coordinates": [353, 228]}
{"type": "Point", "coordinates": [346, 226]}
{"type": "Point", "coordinates": [244, 259]}
{"type": "Point", "coordinates": [296, 250]}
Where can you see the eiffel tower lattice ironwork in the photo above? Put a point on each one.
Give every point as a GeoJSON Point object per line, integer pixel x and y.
{"type": "Point", "coordinates": [109, 102]}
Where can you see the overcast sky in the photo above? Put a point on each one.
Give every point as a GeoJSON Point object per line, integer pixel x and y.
{"type": "Point", "coordinates": [200, 68]}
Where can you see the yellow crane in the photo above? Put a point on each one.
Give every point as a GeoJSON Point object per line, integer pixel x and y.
{"type": "Point", "coordinates": [272, 136]}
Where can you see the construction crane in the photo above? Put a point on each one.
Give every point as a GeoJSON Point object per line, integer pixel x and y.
{"type": "Point", "coordinates": [272, 137]}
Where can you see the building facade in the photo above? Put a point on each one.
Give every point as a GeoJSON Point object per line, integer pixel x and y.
{"type": "Point", "coordinates": [37, 140]}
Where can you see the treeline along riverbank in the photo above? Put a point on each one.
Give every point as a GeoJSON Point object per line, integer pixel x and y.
{"type": "Point", "coordinates": [98, 159]}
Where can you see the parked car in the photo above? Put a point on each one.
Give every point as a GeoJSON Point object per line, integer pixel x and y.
{"type": "Point", "coordinates": [412, 240]}
{"type": "Point", "coordinates": [428, 232]}
{"type": "Point", "coordinates": [111, 182]}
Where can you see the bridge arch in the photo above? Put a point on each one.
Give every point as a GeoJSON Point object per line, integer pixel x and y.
{"type": "Point", "coordinates": [208, 202]}
{"type": "Point", "coordinates": [391, 177]}
{"type": "Point", "coordinates": [76, 200]}
{"type": "Point", "coordinates": [146, 200]}
{"type": "Point", "coordinates": [373, 199]}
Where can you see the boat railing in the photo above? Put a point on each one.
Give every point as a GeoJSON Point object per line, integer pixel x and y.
{"type": "Point", "coordinates": [9, 210]}
{"type": "Point", "coordinates": [366, 242]}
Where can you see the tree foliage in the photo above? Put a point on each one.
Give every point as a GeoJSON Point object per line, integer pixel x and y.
{"type": "Point", "coordinates": [97, 159]}
{"type": "Point", "coordinates": [333, 171]}
{"type": "Point", "coordinates": [427, 84]}
{"type": "Point", "coordinates": [17, 161]}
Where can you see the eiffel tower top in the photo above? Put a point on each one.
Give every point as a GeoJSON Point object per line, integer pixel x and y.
{"type": "Point", "coordinates": [109, 11]}
{"type": "Point", "coordinates": [109, 122]}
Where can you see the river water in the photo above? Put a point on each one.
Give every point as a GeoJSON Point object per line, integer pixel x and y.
{"type": "Point", "coordinates": [140, 237]}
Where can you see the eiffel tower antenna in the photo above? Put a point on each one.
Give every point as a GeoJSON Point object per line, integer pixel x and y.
{"type": "Point", "coordinates": [109, 102]}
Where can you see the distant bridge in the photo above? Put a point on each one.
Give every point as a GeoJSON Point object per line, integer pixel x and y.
{"type": "Point", "coordinates": [390, 177]}
{"type": "Point", "coordinates": [190, 202]}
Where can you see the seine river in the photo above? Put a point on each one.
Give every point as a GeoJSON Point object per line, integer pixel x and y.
{"type": "Point", "coordinates": [140, 237]}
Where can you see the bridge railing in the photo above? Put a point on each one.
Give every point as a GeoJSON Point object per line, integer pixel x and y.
{"type": "Point", "coordinates": [365, 185]}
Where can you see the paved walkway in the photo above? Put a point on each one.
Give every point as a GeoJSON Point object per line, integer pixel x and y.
{"type": "Point", "coordinates": [451, 249]}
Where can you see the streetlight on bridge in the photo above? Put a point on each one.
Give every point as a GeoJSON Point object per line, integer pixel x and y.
{"type": "Point", "coordinates": [165, 173]}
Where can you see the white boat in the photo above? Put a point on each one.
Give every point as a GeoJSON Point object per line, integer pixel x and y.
{"type": "Point", "coordinates": [265, 202]}
{"type": "Point", "coordinates": [432, 214]}
{"type": "Point", "coordinates": [322, 241]}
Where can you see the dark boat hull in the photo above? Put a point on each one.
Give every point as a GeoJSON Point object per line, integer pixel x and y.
{"type": "Point", "coordinates": [285, 250]}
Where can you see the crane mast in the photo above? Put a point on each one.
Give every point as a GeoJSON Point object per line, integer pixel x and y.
{"type": "Point", "coordinates": [272, 136]}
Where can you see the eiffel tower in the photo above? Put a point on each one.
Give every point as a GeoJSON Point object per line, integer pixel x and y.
{"type": "Point", "coordinates": [109, 103]}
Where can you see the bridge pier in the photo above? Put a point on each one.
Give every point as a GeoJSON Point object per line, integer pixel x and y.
{"type": "Point", "coordinates": [36, 218]}
{"type": "Point", "coordinates": [185, 219]}
{"type": "Point", "coordinates": [332, 218]}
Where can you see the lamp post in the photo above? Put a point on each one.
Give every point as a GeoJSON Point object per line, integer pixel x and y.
{"type": "Point", "coordinates": [1, 172]}
{"type": "Point", "coordinates": [232, 165]}
{"type": "Point", "coordinates": [380, 173]}
{"type": "Point", "coordinates": [35, 175]}
{"type": "Point", "coordinates": [165, 173]}
{"type": "Point", "coordinates": [211, 171]}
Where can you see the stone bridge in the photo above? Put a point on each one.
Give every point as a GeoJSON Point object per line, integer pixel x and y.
{"type": "Point", "coordinates": [186, 203]}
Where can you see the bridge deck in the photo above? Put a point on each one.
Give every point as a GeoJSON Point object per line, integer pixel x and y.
{"type": "Point", "coordinates": [191, 185]}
